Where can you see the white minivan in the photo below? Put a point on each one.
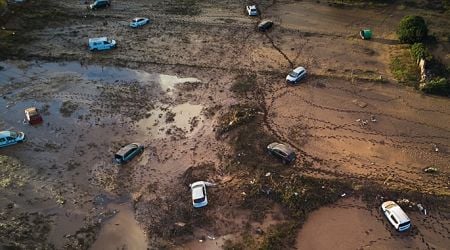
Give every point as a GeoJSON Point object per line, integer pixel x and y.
{"type": "Point", "coordinates": [8, 138]}
{"type": "Point", "coordinates": [101, 43]}
{"type": "Point", "coordinates": [394, 213]}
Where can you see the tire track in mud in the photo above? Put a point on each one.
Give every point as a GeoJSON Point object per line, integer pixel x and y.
{"type": "Point", "coordinates": [291, 64]}
{"type": "Point", "coordinates": [301, 98]}
{"type": "Point", "coordinates": [333, 126]}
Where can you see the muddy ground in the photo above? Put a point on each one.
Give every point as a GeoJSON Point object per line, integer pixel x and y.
{"type": "Point", "coordinates": [204, 92]}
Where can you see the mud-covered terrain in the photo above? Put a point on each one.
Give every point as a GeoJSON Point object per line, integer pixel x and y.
{"type": "Point", "coordinates": [205, 93]}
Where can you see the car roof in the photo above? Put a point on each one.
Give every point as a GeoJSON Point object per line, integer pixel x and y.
{"type": "Point", "coordinates": [264, 22]}
{"type": "Point", "coordinates": [252, 6]}
{"type": "Point", "coordinates": [397, 211]}
{"type": "Point", "coordinates": [98, 39]}
{"type": "Point", "coordinates": [299, 69]}
{"type": "Point", "coordinates": [282, 147]}
{"type": "Point", "coordinates": [31, 111]}
{"type": "Point", "coordinates": [137, 18]}
{"type": "Point", "coordinates": [5, 133]}
{"type": "Point", "coordinates": [197, 191]}
{"type": "Point", "coordinates": [127, 148]}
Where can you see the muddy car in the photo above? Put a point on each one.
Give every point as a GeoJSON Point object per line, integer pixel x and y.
{"type": "Point", "coordinates": [281, 151]}
{"type": "Point", "coordinates": [198, 190]}
{"type": "Point", "coordinates": [8, 138]}
{"type": "Point", "coordinates": [139, 22]}
{"type": "Point", "coordinates": [98, 4]}
{"type": "Point", "coordinates": [296, 75]}
{"type": "Point", "coordinates": [396, 216]}
{"type": "Point", "coordinates": [265, 25]}
{"type": "Point", "coordinates": [101, 43]}
{"type": "Point", "coordinates": [128, 152]}
{"type": "Point", "coordinates": [32, 116]}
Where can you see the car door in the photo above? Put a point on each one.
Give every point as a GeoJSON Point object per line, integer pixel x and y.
{"type": "Point", "coordinates": [10, 140]}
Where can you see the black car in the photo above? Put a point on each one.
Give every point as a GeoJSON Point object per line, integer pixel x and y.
{"type": "Point", "coordinates": [265, 25]}
{"type": "Point", "coordinates": [128, 152]}
{"type": "Point", "coordinates": [99, 4]}
{"type": "Point", "coordinates": [282, 151]}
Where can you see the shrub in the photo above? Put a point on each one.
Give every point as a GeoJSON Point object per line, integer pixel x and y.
{"type": "Point", "coordinates": [412, 29]}
{"type": "Point", "coordinates": [437, 86]}
{"type": "Point", "coordinates": [418, 51]}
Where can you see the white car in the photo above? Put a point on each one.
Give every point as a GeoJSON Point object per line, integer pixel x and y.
{"type": "Point", "coordinates": [199, 198]}
{"type": "Point", "coordinates": [395, 215]}
{"type": "Point", "coordinates": [101, 43]}
{"type": "Point", "coordinates": [251, 10]}
{"type": "Point", "coordinates": [139, 22]}
{"type": "Point", "coordinates": [8, 138]}
{"type": "Point", "coordinates": [296, 75]}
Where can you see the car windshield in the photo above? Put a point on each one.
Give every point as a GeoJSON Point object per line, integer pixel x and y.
{"type": "Point", "coordinates": [404, 224]}
{"type": "Point", "coordinates": [199, 200]}
{"type": "Point", "coordinates": [293, 74]}
{"type": "Point", "coordinates": [13, 134]}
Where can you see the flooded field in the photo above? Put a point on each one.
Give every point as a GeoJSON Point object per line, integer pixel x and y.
{"type": "Point", "coordinates": [204, 92]}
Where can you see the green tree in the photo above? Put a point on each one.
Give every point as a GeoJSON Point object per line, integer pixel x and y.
{"type": "Point", "coordinates": [418, 51]}
{"type": "Point", "coordinates": [412, 29]}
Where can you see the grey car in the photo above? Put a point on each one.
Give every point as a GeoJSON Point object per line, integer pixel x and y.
{"type": "Point", "coordinates": [128, 152]}
{"type": "Point", "coordinates": [285, 153]}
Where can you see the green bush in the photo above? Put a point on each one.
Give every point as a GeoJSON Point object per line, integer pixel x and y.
{"type": "Point", "coordinates": [438, 86]}
{"type": "Point", "coordinates": [412, 29]}
{"type": "Point", "coordinates": [418, 51]}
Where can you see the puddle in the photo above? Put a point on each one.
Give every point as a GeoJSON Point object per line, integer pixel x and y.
{"type": "Point", "coordinates": [21, 71]}
{"type": "Point", "coordinates": [187, 117]}
{"type": "Point", "coordinates": [121, 231]}
{"type": "Point", "coordinates": [168, 82]}
{"type": "Point", "coordinates": [350, 225]}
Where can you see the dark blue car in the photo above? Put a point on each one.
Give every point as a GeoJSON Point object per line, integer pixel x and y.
{"type": "Point", "coordinates": [128, 152]}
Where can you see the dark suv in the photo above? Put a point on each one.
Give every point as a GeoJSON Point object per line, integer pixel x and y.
{"type": "Point", "coordinates": [265, 25]}
{"type": "Point", "coordinates": [98, 4]}
{"type": "Point", "coordinates": [128, 152]}
{"type": "Point", "coordinates": [281, 151]}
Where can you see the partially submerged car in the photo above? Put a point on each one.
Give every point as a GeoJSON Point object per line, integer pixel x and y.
{"type": "Point", "coordinates": [32, 116]}
{"type": "Point", "coordinates": [199, 197]}
{"type": "Point", "coordinates": [265, 25]}
{"type": "Point", "coordinates": [139, 22]}
{"type": "Point", "coordinates": [252, 10]}
{"type": "Point", "coordinates": [98, 4]}
{"type": "Point", "coordinates": [296, 75]}
{"type": "Point", "coordinates": [101, 43]}
{"type": "Point", "coordinates": [128, 152]}
{"type": "Point", "coordinates": [8, 138]}
{"type": "Point", "coordinates": [396, 216]}
{"type": "Point", "coordinates": [285, 153]}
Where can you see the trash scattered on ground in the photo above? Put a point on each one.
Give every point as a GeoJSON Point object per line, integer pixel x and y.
{"type": "Point", "coordinates": [267, 174]}
{"type": "Point", "coordinates": [431, 170]}
{"type": "Point", "coordinates": [422, 209]}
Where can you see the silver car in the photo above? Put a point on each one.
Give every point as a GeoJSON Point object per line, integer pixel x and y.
{"type": "Point", "coordinates": [139, 22]}
{"type": "Point", "coordinates": [282, 151]}
{"type": "Point", "coordinates": [296, 75]}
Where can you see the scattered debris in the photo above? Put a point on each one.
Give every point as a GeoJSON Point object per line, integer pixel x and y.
{"type": "Point", "coordinates": [360, 103]}
{"type": "Point", "coordinates": [422, 209]}
{"type": "Point", "coordinates": [431, 170]}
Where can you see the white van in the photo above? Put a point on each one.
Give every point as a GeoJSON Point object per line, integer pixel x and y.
{"type": "Point", "coordinates": [8, 138]}
{"type": "Point", "coordinates": [394, 213]}
{"type": "Point", "coordinates": [101, 43]}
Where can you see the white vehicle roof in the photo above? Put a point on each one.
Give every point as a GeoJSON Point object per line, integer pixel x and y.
{"type": "Point", "coordinates": [138, 18]}
{"type": "Point", "coordinates": [252, 7]}
{"type": "Point", "coordinates": [197, 191]}
{"type": "Point", "coordinates": [98, 39]}
{"type": "Point", "coordinates": [396, 210]}
{"type": "Point", "coordinates": [5, 134]}
{"type": "Point", "coordinates": [299, 69]}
